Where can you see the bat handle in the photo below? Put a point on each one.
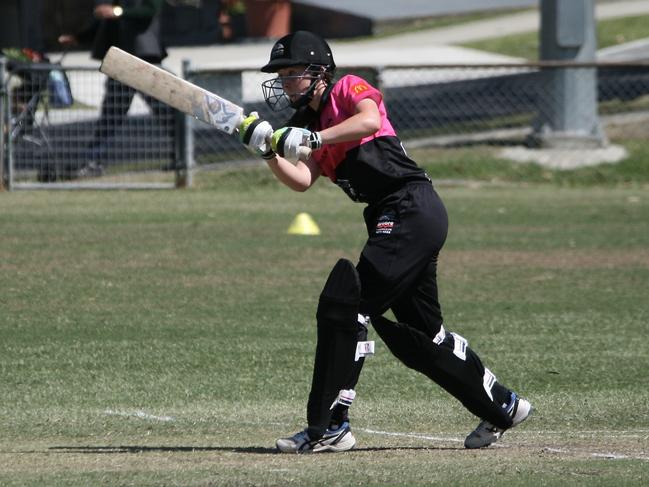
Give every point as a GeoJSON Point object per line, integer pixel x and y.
{"type": "Point", "coordinates": [304, 154]}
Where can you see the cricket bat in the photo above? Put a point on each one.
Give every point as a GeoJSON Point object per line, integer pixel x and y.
{"type": "Point", "coordinates": [176, 92]}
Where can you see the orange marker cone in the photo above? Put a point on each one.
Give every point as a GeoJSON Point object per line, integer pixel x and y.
{"type": "Point", "coordinates": [303, 224]}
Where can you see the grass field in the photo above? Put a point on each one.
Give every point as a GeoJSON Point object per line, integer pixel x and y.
{"type": "Point", "coordinates": [166, 337]}
{"type": "Point", "coordinates": [609, 32]}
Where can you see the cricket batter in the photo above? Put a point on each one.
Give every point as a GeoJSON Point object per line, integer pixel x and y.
{"type": "Point", "coordinates": [345, 123]}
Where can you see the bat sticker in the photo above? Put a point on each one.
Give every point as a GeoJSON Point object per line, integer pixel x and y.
{"type": "Point", "coordinates": [219, 112]}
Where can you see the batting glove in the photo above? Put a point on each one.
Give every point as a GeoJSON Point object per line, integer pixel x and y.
{"type": "Point", "coordinates": [254, 133]}
{"type": "Point", "coordinates": [288, 140]}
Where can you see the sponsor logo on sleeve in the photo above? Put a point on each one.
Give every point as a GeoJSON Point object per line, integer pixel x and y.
{"type": "Point", "coordinates": [359, 88]}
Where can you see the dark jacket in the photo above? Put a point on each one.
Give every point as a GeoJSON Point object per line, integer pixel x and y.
{"type": "Point", "coordinates": [136, 31]}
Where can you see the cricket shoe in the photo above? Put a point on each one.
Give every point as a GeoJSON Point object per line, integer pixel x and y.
{"type": "Point", "coordinates": [486, 433]}
{"type": "Point", "coordinates": [340, 439]}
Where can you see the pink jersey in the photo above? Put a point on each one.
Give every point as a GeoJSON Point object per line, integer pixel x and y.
{"type": "Point", "coordinates": [344, 97]}
{"type": "Point", "coordinates": [373, 167]}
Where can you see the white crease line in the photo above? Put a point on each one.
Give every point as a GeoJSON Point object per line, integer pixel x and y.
{"type": "Point", "coordinates": [138, 414]}
{"type": "Point", "coordinates": [615, 434]}
{"type": "Point", "coordinates": [618, 456]}
{"type": "Point", "coordinates": [612, 456]}
{"type": "Point", "coordinates": [556, 450]}
{"type": "Point", "coordinates": [410, 435]}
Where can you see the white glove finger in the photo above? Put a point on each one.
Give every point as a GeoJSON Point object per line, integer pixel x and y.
{"type": "Point", "coordinates": [292, 144]}
{"type": "Point", "coordinates": [260, 136]}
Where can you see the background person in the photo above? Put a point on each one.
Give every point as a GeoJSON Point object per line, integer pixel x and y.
{"type": "Point", "coordinates": [133, 26]}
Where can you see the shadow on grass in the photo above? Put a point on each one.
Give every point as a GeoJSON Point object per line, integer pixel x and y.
{"type": "Point", "coordinates": [145, 449]}
{"type": "Point", "coordinates": [258, 450]}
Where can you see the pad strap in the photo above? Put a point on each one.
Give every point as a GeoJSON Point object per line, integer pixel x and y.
{"type": "Point", "coordinates": [345, 398]}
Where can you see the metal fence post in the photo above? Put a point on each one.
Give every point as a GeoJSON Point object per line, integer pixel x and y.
{"type": "Point", "coordinates": [3, 118]}
{"type": "Point", "coordinates": [7, 129]}
{"type": "Point", "coordinates": [184, 173]}
{"type": "Point", "coordinates": [378, 75]}
{"type": "Point", "coordinates": [568, 34]}
{"type": "Point", "coordinates": [179, 148]}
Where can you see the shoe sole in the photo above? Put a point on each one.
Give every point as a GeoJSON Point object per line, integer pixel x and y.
{"type": "Point", "coordinates": [528, 412]}
{"type": "Point", "coordinates": [346, 443]}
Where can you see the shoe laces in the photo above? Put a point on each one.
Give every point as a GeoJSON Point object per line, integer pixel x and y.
{"type": "Point", "coordinates": [300, 436]}
{"type": "Point", "coordinates": [513, 405]}
{"type": "Point", "coordinates": [338, 428]}
{"type": "Point", "coordinates": [488, 427]}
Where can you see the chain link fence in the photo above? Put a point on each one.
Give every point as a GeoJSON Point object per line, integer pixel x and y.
{"type": "Point", "coordinates": [51, 140]}
{"type": "Point", "coordinates": [561, 107]}
{"type": "Point", "coordinates": [73, 127]}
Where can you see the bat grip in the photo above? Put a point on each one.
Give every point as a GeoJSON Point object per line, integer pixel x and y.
{"type": "Point", "coordinates": [304, 154]}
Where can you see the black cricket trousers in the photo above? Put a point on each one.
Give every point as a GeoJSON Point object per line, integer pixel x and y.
{"type": "Point", "coordinates": [398, 271]}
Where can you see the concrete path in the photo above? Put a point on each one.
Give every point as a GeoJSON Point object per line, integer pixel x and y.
{"type": "Point", "coordinates": [390, 10]}
{"type": "Point", "coordinates": [425, 47]}
{"type": "Point", "coordinates": [528, 21]}
{"type": "Point", "coordinates": [435, 46]}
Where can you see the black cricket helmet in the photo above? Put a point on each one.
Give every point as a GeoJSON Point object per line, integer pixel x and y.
{"type": "Point", "coordinates": [301, 48]}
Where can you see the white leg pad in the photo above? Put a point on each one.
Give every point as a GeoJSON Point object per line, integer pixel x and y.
{"type": "Point", "coordinates": [488, 381]}
{"type": "Point", "coordinates": [364, 349]}
{"type": "Point", "coordinates": [459, 346]}
{"type": "Point", "coordinates": [441, 335]}
{"type": "Point", "coordinates": [345, 398]}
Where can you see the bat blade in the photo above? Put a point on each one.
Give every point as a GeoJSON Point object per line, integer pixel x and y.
{"type": "Point", "coordinates": [176, 92]}
{"type": "Point", "coordinates": [172, 90]}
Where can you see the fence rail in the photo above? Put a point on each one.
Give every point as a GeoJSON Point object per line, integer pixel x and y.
{"type": "Point", "coordinates": [48, 143]}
